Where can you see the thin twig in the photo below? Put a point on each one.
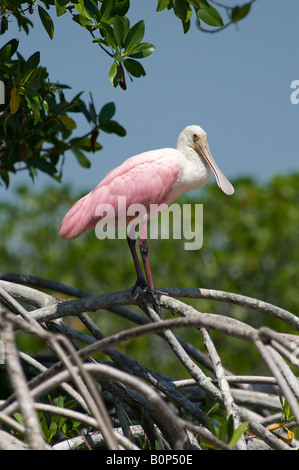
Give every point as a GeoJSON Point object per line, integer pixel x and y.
{"type": "Point", "coordinates": [227, 397]}
{"type": "Point", "coordinates": [18, 380]}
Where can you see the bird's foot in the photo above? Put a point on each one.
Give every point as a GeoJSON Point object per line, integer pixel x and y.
{"type": "Point", "coordinates": [139, 284]}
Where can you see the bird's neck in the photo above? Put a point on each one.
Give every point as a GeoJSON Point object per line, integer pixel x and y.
{"type": "Point", "coordinates": [196, 171]}
{"type": "Point", "coordinates": [187, 151]}
{"type": "Point", "coordinates": [190, 153]}
{"type": "Point", "coordinates": [194, 160]}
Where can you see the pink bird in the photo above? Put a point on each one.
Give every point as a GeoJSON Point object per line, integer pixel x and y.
{"type": "Point", "coordinates": [154, 177]}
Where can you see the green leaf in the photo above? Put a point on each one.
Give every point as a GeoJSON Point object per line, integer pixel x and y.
{"type": "Point", "coordinates": [162, 4]}
{"type": "Point", "coordinates": [159, 446]}
{"type": "Point", "coordinates": [34, 102]}
{"type": "Point", "coordinates": [33, 60]}
{"type": "Point", "coordinates": [186, 26]}
{"type": "Point", "coordinates": [92, 110]}
{"type": "Point", "coordinates": [119, 31]}
{"type": "Point", "coordinates": [194, 3]}
{"type": "Point", "coordinates": [210, 425]}
{"type": "Point", "coordinates": [121, 7]}
{"type": "Point", "coordinates": [237, 434]}
{"type": "Point", "coordinates": [60, 6]}
{"type": "Point", "coordinates": [238, 13]}
{"type": "Point", "coordinates": [106, 113]}
{"type": "Point", "coordinates": [46, 21]}
{"type": "Point", "coordinates": [81, 157]}
{"type": "Point", "coordinates": [30, 76]}
{"type": "Point", "coordinates": [106, 8]}
{"type": "Point", "coordinates": [88, 9]}
{"type": "Point", "coordinates": [142, 50]}
{"type": "Point", "coordinates": [286, 409]}
{"type": "Point", "coordinates": [82, 21]}
{"type": "Point", "coordinates": [134, 68]}
{"type": "Point", "coordinates": [60, 401]}
{"type": "Point", "coordinates": [84, 144]}
{"type": "Point", "coordinates": [115, 74]}
{"type": "Point", "coordinates": [98, 40]}
{"type": "Point", "coordinates": [44, 427]}
{"type": "Point", "coordinates": [92, 8]}
{"type": "Point", "coordinates": [67, 122]}
{"type": "Point", "coordinates": [81, 5]}
{"type": "Point", "coordinates": [229, 427]}
{"type": "Point", "coordinates": [112, 127]}
{"type": "Point", "coordinates": [135, 35]}
{"type": "Point", "coordinates": [53, 428]}
{"type": "Point", "coordinates": [180, 9]}
{"type": "Point", "coordinates": [4, 175]}
{"type": "Point", "coordinates": [210, 15]}
{"type": "Point", "coordinates": [14, 101]}
{"type": "Point", "coordinates": [5, 69]}
{"type": "Point", "coordinates": [30, 67]}
{"type": "Point", "coordinates": [42, 165]}
{"type": "Point", "coordinates": [8, 50]}
{"type": "Point", "coordinates": [126, 24]}
{"type": "Point", "coordinates": [107, 32]}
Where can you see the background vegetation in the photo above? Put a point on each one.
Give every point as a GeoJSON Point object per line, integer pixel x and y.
{"type": "Point", "coordinates": [250, 241]}
{"type": "Point", "coordinates": [252, 250]}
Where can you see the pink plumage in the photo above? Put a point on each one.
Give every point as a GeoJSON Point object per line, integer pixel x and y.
{"type": "Point", "coordinates": [145, 179]}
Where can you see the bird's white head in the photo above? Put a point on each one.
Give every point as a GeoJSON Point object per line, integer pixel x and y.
{"type": "Point", "coordinates": [195, 138]}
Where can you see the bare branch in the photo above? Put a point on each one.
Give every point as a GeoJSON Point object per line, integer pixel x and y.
{"type": "Point", "coordinates": [107, 392]}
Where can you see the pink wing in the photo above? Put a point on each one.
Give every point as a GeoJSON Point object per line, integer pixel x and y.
{"type": "Point", "coordinates": [144, 179]}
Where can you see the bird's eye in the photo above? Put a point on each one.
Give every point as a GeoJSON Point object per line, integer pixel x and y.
{"type": "Point", "coordinates": [195, 136]}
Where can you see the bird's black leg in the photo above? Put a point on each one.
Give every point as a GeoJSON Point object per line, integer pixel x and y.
{"type": "Point", "coordinates": [155, 295]}
{"type": "Point", "coordinates": [144, 252]}
{"type": "Point", "coordinates": [141, 282]}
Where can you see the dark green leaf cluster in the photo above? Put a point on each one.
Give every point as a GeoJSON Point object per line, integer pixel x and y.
{"type": "Point", "coordinates": [183, 9]}
{"type": "Point", "coordinates": [15, 9]}
{"type": "Point", "coordinates": [35, 125]}
{"type": "Point", "coordinates": [223, 427]}
{"type": "Point", "coordinates": [127, 47]}
{"type": "Point", "coordinates": [205, 12]}
{"type": "Point", "coordinates": [110, 28]}
{"type": "Point", "coordinates": [54, 427]}
{"type": "Point", "coordinates": [105, 20]}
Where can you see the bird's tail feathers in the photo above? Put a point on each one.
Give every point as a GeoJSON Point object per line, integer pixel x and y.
{"type": "Point", "coordinates": [78, 220]}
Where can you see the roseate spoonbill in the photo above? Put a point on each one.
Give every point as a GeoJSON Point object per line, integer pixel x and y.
{"type": "Point", "coordinates": [154, 177]}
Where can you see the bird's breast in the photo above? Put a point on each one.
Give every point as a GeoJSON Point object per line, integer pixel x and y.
{"type": "Point", "coordinates": [193, 175]}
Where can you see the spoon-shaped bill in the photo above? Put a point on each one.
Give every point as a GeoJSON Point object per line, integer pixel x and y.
{"type": "Point", "coordinates": [222, 181]}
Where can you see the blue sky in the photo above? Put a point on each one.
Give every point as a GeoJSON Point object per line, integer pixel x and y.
{"type": "Point", "coordinates": [235, 84]}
